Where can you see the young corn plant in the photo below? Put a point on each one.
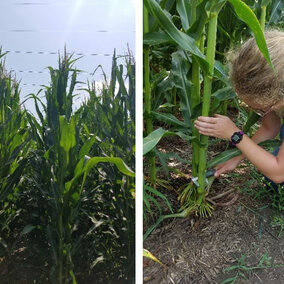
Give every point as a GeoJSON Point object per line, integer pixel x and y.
{"type": "Point", "coordinates": [113, 124]}
{"type": "Point", "coordinates": [61, 164]}
{"type": "Point", "coordinates": [192, 28]}
{"type": "Point", "coordinates": [14, 144]}
{"type": "Point", "coordinates": [14, 137]}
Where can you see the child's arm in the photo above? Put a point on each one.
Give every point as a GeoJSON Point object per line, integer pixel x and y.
{"type": "Point", "coordinates": [268, 129]}
{"type": "Point", "coordinates": [222, 127]}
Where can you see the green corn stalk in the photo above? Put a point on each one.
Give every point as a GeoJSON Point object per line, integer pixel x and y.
{"type": "Point", "coordinates": [195, 101]}
{"type": "Point", "coordinates": [147, 97]}
{"type": "Point", "coordinates": [264, 4]}
{"type": "Point", "coordinates": [210, 57]}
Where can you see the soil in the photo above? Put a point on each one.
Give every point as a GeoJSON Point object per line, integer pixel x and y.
{"type": "Point", "coordinates": [205, 250]}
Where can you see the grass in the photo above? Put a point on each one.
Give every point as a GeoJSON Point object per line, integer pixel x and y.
{"type": "Point", "coordinates": [278, 222]}
{"type": "Point", "coordinates": [242, 270]}
{"type": "Point", "coordinates": [260, 188]}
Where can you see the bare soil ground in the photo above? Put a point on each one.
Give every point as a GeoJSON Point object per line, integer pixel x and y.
{"type": "Point", "coordinates": [195, 250]}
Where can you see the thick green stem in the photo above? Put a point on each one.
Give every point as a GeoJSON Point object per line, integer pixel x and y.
{"type": "Point", "coordinates": [60, 249]}
{"type": "Point", "coordinates": [174, 99]}
{"type": "Point", "coordinates": [147, 97]}
{"type": "Point", "coordinates": [195, 92]}
{"type": "Point", "coordinates": [210, 57]}
{"type": "Point", "coordinates": [195, 79]}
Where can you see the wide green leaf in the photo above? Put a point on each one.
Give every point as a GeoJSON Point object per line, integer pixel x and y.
{"type": "Point", "coordinates": [156, 38]}
{"type": "Point", "coordinates": [183, 8]}
{"type": "Point", "coordinates": [183, 40]}
{"type": "Point", "coordinates": [276, 12]}
{"type": "Point", "coordinates": [198, 17]}
{"type": "Point", "coordinates": [247, 15]}
{"type": "Point", "coordinates": [168, 118]}
{"type": "Point", "coordinates": [214, 6]}
{"type": "Point", "coordinates": [85, 149]}
{"type": "Point", "coordinates": [228, 154]}
{"type": "Point", "coordinates": [92, 162]}
{"type": "Point", "coordinates": [154, 137]}
{"type": "Point", "coordinates": [223, 157]}
{"type": "Point", "coordinates": [180, 71]}
{"type": "Point", "coordinates": [67, 136]}
{"type": "Point", "coordinates": [152, 140]}
{"type": "Point", "coordinates": [252, 119]}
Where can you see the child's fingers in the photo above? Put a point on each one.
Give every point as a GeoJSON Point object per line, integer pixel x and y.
{"type": "Point", "coordinates": [220, 171]}
{"type": "Point", "coordinates": [207, 119]}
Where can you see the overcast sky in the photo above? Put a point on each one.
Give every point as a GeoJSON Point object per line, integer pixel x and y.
{"type": "Point", "coordinates": [35, 30]}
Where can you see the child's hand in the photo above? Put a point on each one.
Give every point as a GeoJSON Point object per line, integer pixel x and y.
{"type": "Point", "coordinates": [219, 126]}
{"type": "Point", "coordinates": [227, 166]}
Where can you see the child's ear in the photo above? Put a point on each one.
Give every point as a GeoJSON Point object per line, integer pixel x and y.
{"type": "Point", "coordinates": [279, 105]}
{"type": "Point", "coordinates": [278, 108]}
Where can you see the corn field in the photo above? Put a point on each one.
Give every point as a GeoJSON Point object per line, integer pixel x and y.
{"type": "Point", "coordinates": [67, 189]}
{"type": "Point", "coordinates": [185, 76]}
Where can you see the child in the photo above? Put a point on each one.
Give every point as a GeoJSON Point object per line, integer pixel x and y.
{"type": "Point", "coordinates": [262, 89]}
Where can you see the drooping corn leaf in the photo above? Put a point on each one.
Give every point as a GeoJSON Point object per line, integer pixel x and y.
{"type": "Point", "coordinates": [228, 154]}
{"type": "Point", "coordinates": [247, 15]}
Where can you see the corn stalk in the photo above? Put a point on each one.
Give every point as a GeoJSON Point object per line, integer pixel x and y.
{"type": "Point", "coordinates": [147, 97]}
{"type": "Point", "coordinates": [210, 56]}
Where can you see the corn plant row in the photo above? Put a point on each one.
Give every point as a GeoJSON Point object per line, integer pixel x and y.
{"type": "Point", "coordinates": [63, 164]}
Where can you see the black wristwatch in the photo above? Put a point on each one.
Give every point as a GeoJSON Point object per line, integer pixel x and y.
{"type": "Point", "coordinates": [237, 137]}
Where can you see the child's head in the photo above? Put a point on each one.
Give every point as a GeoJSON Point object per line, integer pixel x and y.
{"type": "Point", "coordinates": [253, 79]}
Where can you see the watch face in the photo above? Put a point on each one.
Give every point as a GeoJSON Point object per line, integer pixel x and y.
{"type": "Point", "coordinates": [236, 137]}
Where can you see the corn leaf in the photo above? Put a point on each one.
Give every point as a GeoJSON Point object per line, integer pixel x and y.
{"type": "Point", "coordinates": [228, 154]}
{"type": "Point", "coordinates": [159, 194]}
{"type": "Point", "coordinates": [169, 118]}
{"type": "Point", "coordinates": [86, 147]}
{"type": "Point", "coordinates": [67, 137]}
{"type": "Point", "coordinates": [156, 38]}
{"type": "Point", "coordinates": [276, 12]}
{"type": "Point", "coordinates": [214, 6]}
{"type": "Point", "coordinates": [92, 162]}
{"type": "Point", "coordinates": [152, 140]}
{"type": "Point", "coordinates": [183, 40]}
{"type": "Point", "coordinates": [180, 70]}
{"type": "Point", "coordinates": [247, 15]}
{"type": "Point", "coordinates": [149, 255]}
{"type": "Point", "coordinates": [183, 8]}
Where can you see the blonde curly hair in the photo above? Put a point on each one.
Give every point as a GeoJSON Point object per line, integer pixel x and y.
{"type": "Point", "coordinates": [253, 79]}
